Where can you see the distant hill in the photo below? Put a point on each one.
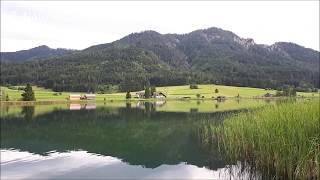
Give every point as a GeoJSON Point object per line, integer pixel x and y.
{"type": "Point", "coordinates": [41, 52]}
{"type": "Point", "coordinates": [203, 56]}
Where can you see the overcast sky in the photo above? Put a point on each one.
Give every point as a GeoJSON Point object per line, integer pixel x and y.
{"type": "Point", "coordinates": [78, 25]}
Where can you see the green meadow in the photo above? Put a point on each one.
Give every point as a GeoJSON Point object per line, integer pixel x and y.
{"type": "Point", "coordinates": [172, 92]}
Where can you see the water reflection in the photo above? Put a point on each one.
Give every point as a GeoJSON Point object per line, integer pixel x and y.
{"type": "Point", "coordinates": [137, 136]}
{"type": "Point", "coordinates": [135, 140]}
{"type": "Point", "coordinates": [152, 104]}
{"type": "Point", "coordinates": [28, 112]}
{"type": "Point", "coordinates": [194, 110]}
{"type": "Point", "coordinates": [74, 106]}
{"type": "Point", "coordinates": [91, 166]}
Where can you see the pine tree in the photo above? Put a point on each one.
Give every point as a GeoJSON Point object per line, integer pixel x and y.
{"type": "Point", "coordinates": [28, 94]}
{"type": "Point", "coordinates": [147, 93]}
{"type": "Point", "coordinates": [128, 95]}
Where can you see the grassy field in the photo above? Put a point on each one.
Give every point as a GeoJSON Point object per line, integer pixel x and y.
{"type": "Point", "coordinates": [172, 92]}
{"type": "Point", "coordinates": [42, 94]}
{"type": "Point", "coordinates": [282, 140]}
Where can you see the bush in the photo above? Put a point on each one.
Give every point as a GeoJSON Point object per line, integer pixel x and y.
{"type": "Point", "coordinates": [198, 95]}
{"type": "Point", "coordinates": [193, 86]}
{"type": "Point", "coordinates": [128, 95]}
{"type": "Point", "coordinates": [216, 91]}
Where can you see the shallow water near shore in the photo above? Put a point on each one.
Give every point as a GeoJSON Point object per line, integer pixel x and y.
{"type": "Point", "coordinates": [140, 140]}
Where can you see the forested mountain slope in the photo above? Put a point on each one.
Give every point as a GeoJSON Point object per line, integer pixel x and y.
{"type": "Point", "coordinates": [41, 52]}
{"type": "Point", "coordinates": [203, 56]}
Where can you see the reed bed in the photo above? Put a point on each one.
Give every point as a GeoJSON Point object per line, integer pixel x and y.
{"type": "Point", "coordinates": [281, 141]}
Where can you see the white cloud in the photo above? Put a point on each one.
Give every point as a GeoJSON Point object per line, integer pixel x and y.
{"type": "Point", "coordinates": [81, 24]}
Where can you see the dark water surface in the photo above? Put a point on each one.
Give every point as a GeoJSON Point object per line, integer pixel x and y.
{"type": "Point", "coordinates": [101, 141]}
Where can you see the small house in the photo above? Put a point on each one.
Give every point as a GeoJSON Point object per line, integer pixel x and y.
{"type": "Point", "coordinates": [158, 95]}
{"type": "Point", "coordinates": [74, 97]}
{"type": "Point", "coordinates": [140, 94]}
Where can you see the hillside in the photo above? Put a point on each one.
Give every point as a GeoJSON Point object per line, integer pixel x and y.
{"type": "Point", "coordinates": [37, 53]}
{"type": "Point", "coordinates": [203, 56]}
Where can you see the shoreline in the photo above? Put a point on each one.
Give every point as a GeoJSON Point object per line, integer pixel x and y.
{"type": "Point", "coordinates": [48, 102]}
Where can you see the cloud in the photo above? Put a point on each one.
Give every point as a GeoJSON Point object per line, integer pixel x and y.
{"type": "Point", "coordinates": [77, 25]}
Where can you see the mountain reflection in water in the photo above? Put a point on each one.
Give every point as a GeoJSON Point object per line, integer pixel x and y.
{"type": "Point", "coordinates": [84, 165]}
{"type": "Point", "coordinates": [108, 142]}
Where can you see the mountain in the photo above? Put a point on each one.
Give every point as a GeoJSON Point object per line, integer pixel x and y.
{"type": "Point", "coordinates": [209, 55]}
{"type": "Point", "coordinates": [41, 52]}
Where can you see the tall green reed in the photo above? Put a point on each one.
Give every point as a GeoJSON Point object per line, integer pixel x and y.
{"type": "Point", "coordinates": [282, 141]}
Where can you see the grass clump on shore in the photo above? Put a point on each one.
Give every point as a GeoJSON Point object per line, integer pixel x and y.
{"type": "Point", "coordinates": [282, 141]}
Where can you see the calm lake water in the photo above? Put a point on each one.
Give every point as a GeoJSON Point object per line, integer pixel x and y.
{"type": "Point", "coordinates": [135, 140]}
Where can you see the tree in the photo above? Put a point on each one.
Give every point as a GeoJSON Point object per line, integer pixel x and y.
{"type": "Point", "coordinates": [279, 93]}
{"type": "Point", "coordinates": [131, 83]}
{"type": "Point", "coordinates": [128, 95]}
{"type": "Point", "coordinates": [293, 92]}
{"type": "Point", "coordinates": [28, 94]}
{"type": "Point", "coordinates": [289, 91]}
{"type": "Point", "coordinates": [198, 95]}
{"type": "Point", "coordinates": [216, 91]}
{"type": "Point", "coordinates": [147, 92]}
{"type": "Point", "coordinates": [153, 90]}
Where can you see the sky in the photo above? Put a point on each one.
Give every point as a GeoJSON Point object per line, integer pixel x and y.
{"type": "Point", "coordinates": [80, 24]}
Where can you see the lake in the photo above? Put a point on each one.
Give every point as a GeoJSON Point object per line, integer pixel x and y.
{"type": "Point", "coordinates": [136, 140]}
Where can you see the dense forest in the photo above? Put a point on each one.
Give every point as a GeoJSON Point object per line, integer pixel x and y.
{"type": "Point", "coordinates": [148, 58]}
